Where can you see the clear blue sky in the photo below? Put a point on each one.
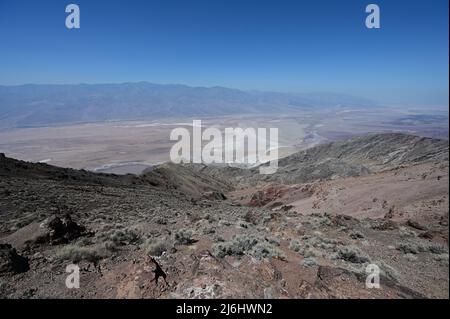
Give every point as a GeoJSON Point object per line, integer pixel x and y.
{"type": "Point", "coordinates": [295, 46]}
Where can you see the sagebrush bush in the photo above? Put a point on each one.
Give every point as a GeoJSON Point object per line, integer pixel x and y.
{"type": "Point", "coordinates": [356, 235]}
{"type": "Point", "coordinates": [443, 259]}
{"type": "Point", "coordinates": [388, 271]}
{"type": "Point", "coordinates": [309, 244]}
{"type": "Point", "coordinates": [156, 247]}
{"type": "Point", "coordinates": [309, 262]}
{"type": "Point", "coordinates": [408, 248]}
{"type": "Point", "coordinates": [125, 236]}
{"type": "Point", "coordinates": [120, 237]}
{"type": "Point", "coordinates": [111, 246]}
{"type": "Point", "coordinates": [352, 254]}
{"type": "Point", "coordinates": [266, 249]}
{"type": "Point", "coordinates": [250, 244]}
{"type": "Point", "coordinates": [160, 220]}
{"type": "Point", "coordinates": [295, 245]}
{"type": "Point", "coordinates": [76, 253]}
{"type": "Point", "coordinates": [437, 249]}
{"type": "Point", "coordinates": [184, 237]}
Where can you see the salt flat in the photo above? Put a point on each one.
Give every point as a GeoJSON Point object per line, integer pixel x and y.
{"type": "Point", "coordinates": [112, 146]}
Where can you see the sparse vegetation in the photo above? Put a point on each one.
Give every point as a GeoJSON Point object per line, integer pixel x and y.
{"type": "Point", "coordinates": [295, 245]}
{"type": "Point", "coordinates": [443, 259]}
{"type": "Point", "coordinates": [388, 271]}
{"type": "Point", "coordinates": [311, 245]}
{"type": "Point", "coordinates": [356, 235]}
{"type": "Point", "coordinates": [124, 236]}
{"type": "Point", "coordinates": [129, 223]}
{"type": "Point", "coordinates": [309, 262]}
{"type": "Point", "coordinates": [76, 253]}
{"type": "Point", "coordinates": [160, 220]}
{"type": "Point", "coordinates": [120, 237]}
{"type": "Point", "coordinates": [437, 249]}
{"type": "Point", "coordinates": [156, 246]}
{"type": "Point", "coordinates": [408, 248]}
{"type": "Point", "coordinates": [251, 245]}
{"type": "Point", "coordinates": [184, 237]}
{"type": "Point", "coordinates": [352, 254]}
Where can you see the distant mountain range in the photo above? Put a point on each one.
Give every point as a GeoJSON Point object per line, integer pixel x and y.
{"type": "Point", "coordinates": [40, 105]}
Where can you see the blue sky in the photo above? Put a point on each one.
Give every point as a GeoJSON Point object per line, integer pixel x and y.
{"type": "Point", "coordinates": [291, 46]}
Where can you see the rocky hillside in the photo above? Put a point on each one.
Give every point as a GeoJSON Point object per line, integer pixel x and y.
{"type": "Point", "coordinates": [309, 231]}
{"type": "Point", "coordinates": [353, 157]}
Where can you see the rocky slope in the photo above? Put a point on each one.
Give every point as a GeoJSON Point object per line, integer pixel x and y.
{"type": "Point", "coordinates": [308, 231]}
{"type": "Point", "coordinates": [353, 157]}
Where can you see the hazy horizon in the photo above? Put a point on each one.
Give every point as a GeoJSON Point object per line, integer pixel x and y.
{"type": "Point", "coordinates": [386, 103]}
{"type": "Point", "coordinates": [295, 46]}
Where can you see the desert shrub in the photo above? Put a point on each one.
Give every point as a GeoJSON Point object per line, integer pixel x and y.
{"type": "Point", "coordinates": [184, 237]}
{"type": "Point", "coordinates": [160, 220]}
{"type": "Point", "coordinates": [240, 244]}
{"type": "Point", "coordinates": [119, 237]}
{"type": "Point", "coordinates": [319, 221]}
{"type": "Point", "coordinates": [272, 240]}
{"type": "Point", "coordinates": [265, 249]}
{"type": "Point", "coordinates": [220, 249]}
{"type": "Point", "coordinates": [76, 253]}
{"type": "Point", "coordinates": [209, 230]}
{"type": "Point", "coordinates": [442, 258]}
{"type": "Point", "coordinates": [408, 248]}
{"type": "Point", "coordinates": [111, 246]}
{"type": "Point", "coordinates": [309, 262]}
{"type": "Point", "coordinates": [295, 245]}
{"type": "Point", "coordinates": [437, 249]}
{"type": "Point", "coordinates": [388, 271]}
{"type": "Point", "coordinates": [251, 245]}
{"type": "Point", "coordinates": [209, 218]}
{"type": "Point", "coordinates": [224, 222]}
{"type": "Point", "coordinates": [410, 257]}
{"type": "Point", "coordinates": [156, 247]}
{"type": "Point", "coordinates": [308, 245]}
{"type": "Point", "coordinates": [107, 227]}
{"type": "Point", "coordinates": [267, 218]}
{"type": "Point", "coordinates": [304, 250]}
{"type": "Point", "coordinates": [251, 218]}
{"type": "Point", "coordinates": [242, 224]}
{"type": "Point", "coordinates": [193, 217]}
{"type": "Point", "coordinates": [356, 235]}
{"type": "Point", "coordinates": [218, 239]}
{"type": "Point", "coordinates": [124, 236]}
{"type": "Point", "coordinates": [327, 243]}
{"type": "Point", "coordinates": [407, 233]}
{"type": "Point", "coordinates": [84, 241]}
{"type": "Point", "coordinates": [352, 254]}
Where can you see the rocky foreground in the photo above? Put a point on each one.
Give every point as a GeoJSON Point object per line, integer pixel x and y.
{"type": "Point", "coordinates": [308, 231]}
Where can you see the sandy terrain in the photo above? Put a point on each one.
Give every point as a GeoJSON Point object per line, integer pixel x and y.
{"type": "Point", "coordinates": [399, 193]}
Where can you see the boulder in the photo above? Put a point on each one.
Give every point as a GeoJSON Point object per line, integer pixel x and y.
{"type": "Point", "coordinates": [11, 262]}
{"type": "Point", "coordinates": [62, 230]}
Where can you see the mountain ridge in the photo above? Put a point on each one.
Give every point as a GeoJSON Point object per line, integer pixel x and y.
{"type": "Point", "coordinates": [41, 104]}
